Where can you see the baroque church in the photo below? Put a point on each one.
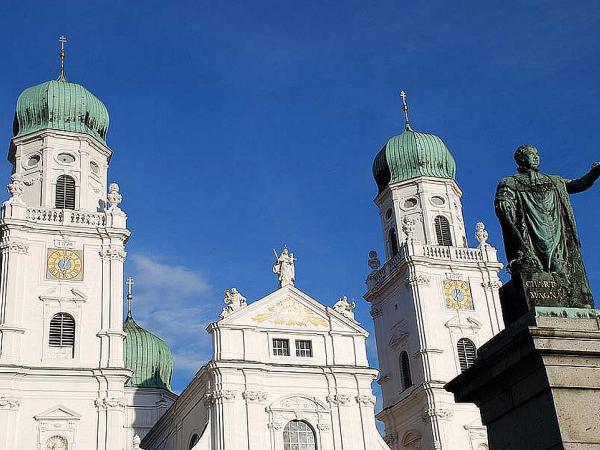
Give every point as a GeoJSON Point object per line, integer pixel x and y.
{"type": "Point", "coordinates": [287, 372]}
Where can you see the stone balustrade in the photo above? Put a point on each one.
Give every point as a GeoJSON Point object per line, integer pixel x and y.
{"type": "Point", "coordinates": [409, 249]}
{"type": "Point", "coordinates": [65, 217]}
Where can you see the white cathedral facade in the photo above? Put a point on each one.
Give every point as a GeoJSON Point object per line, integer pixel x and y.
{"type": "Point", "coordinates": [286, 373]}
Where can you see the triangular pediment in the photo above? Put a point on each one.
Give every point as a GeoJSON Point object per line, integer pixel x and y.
{"type": "Point", "coordinates": [290, 308]}
{"type": "Point", "coordinates": [58, 413]}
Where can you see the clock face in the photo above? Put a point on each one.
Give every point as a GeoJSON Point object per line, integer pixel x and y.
{"type": "Point", "coordinates": [64, 264]}
{"type": "Point", "coordinates": [57, 443]}
{"type": "Point", "coordinates": [458, 294]}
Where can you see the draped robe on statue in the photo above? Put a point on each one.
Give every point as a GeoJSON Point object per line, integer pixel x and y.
{"type": "Point", "coordinates": [540, 234]}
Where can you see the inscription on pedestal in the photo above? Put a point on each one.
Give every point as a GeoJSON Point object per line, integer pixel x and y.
{"type": "Point", "coordinates": [543, 289]}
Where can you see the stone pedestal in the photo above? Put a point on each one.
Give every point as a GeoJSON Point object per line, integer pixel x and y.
{"type": "Point", "coordinates": [537, 383]}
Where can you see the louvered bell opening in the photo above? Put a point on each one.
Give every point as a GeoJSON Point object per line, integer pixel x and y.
{"type": "Point", "coordinates": [442, 231]}
{"type": "Point", "coordinates": [65, 192]}
{"type": "Point", "coordinates": [61, 338]}
{"type": "Point", "coordinates": [467, 353]}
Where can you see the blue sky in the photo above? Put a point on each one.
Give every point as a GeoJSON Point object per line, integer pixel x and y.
{"type": "Point", "coordinates": [238, 126]}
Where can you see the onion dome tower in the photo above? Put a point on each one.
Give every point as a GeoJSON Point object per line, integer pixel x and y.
{"type": "Point", "coordinates": [417, 192]}
{"type": "Point", "coordinates": [147, 355]}
{"type": "Point", "coordinates": [434, 301]}
{"type": "Point", "coordinates": [60, 105]}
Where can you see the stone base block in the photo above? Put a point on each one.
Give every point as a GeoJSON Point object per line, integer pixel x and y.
{"type": "Point", "coordinates": [537, 383]}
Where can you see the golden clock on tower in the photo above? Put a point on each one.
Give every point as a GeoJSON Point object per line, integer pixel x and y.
{"type": "Point", "coordinates": [457, 294]}
{"type": "Point", "coordinates": [64, 264]}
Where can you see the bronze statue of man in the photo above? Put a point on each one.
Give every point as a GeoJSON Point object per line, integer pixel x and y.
{"type": "Point", "coordinates": [540, 235]}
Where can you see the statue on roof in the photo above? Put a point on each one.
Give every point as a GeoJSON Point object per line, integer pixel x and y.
{"type": "Point", "coordinates": [233, 301]}
{"type": "Point", "coordinates": [345, 308]}
{"type": "Point", "coordinates": [284, 267]}
{"type": "Point", "coordinates": [540, 236]}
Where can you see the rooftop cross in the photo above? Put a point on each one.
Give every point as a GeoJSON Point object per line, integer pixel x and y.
{"type": "Point", "coordinates": [405, 109]}
{"type": "Point", "coordinates": [129, 283]}
{"type": "Point", "coordinates": [63, 41]}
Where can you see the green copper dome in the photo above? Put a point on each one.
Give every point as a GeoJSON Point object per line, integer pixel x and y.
{"type": "Point", "coordinates": [412, 154]}
{"type": "Point", "coordinates": [60, 105]}
{"type": "Point", "coordinates": [148, 356]}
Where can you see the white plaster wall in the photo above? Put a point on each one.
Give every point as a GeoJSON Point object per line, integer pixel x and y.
{"type": "Point", "coordinates": [247, 396]}
{"type": "Point", "coordinates": [81, 398]}
{"type": "Point", "coordinates": [410, 314]}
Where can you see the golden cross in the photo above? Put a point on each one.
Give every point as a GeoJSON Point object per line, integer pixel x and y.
{"type": "Point", "coordinates": [63, 41]}
{"type": "Point", "coordinates": [405, 109]}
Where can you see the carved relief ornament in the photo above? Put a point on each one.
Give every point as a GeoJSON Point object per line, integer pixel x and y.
{"type": "Point", "coordinates": [339, 399]}
{"type": "Point", "coordinates": [14, 246]}
{"type": "Point", "coordinates": [290, 312]}
{"type": "Point", "coordinates": [429, 413]}
{"type": "Point", "coordinates": [9, 402]}
{"type": "Point", "coordinates": [113, 253]}
{"type": "Point", "coordinates": [365, 400]}
{"type": "Point", "coordinates": [110, 403]}
{"type": "Point", "coordinates": [254, 396]}
{"type": "Point", "coordinates": [418, 279]}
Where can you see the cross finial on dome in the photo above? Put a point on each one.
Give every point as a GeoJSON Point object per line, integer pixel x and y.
{"type": "Point", "coordinates": [405, 109]}
{"type": "Point", "coordinates": [129, 295]}
{"type": "Point", "coordinates": [63, 40]}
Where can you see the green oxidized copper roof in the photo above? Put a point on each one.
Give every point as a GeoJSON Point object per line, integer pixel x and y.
{"type": "Point", "coordinates": [412, 154]}
{"type": "Point", "coordinates": [148, 356]}
{"type": "Point", "coordinates": [60, 105]}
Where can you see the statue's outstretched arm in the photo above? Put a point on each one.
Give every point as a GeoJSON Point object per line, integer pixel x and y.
{"type": "Point", "coordinates": [586, 181]}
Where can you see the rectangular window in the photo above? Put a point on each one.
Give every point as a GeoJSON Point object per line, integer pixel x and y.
{"type": "Point", "coordinates": [304, 348]}
{"type": "Point", "coordinates": [281, 347]}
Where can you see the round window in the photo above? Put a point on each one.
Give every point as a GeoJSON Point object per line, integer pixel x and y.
{"type": "Point", "coordinates": [388, 213]}
{"type": "Point", "coordinates": [66, 158]}
{"type": "Point", "coordinates": [94, 167]}
{"type": "Point", "coordinates": [33, 161]}
{"type": "Point", "coordinates": [437, 200]}
{"type": "Point", "coordinates": [410, 203]}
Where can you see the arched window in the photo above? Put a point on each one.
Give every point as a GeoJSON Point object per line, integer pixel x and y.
{"type": "Point", "coordinates": [298, 435]}
{"type": "Point", "coordinates": [442, 231]}
{"type": "Point", "coordinates": [405, 371]}
{"type": "Point", "coordinates": [61, 338]}
{"type": "Point", "coordinates": [393, 241]}
{"type": "Point", "coordinates": [467, 353]}
{"type": "Point", "coordinates": [65, 192]}
{"type": "Point", "coordinates": [193, 441]}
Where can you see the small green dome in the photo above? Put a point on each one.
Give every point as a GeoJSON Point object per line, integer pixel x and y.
{"type": "Point", "coordinates": [60, 105]}
{"type": "Point", "coordinates": [412, 154]}
{"type": "Point", "coordinates": [148, 356]}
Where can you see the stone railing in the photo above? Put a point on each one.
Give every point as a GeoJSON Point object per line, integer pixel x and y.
{"type": "Point", "coordinates": [410, 249]}
{"type": "Point", "coordinates": [65, 217]}
{"type": "Point", "coordinates": [452, 253]}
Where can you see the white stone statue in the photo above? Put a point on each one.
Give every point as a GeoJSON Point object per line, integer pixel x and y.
{"type": "Point", "coordinates": [233, 301]}
{"type": "Point", "coordinates": [114, 197]}
{"type": "Point", "coordinates": [345, 308]}
{"type": "Point", "coordinates": [481, 234]}
{"type": "Point", "coordinates": [284, 267]}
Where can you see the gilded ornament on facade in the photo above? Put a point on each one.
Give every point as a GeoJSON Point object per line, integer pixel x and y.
{"type": "Point", "coordinates": [457, 294]}
{"type": "Point", "coordinates": [64, 264]}
{"type": "Point", "coordinates": [291, 313]}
